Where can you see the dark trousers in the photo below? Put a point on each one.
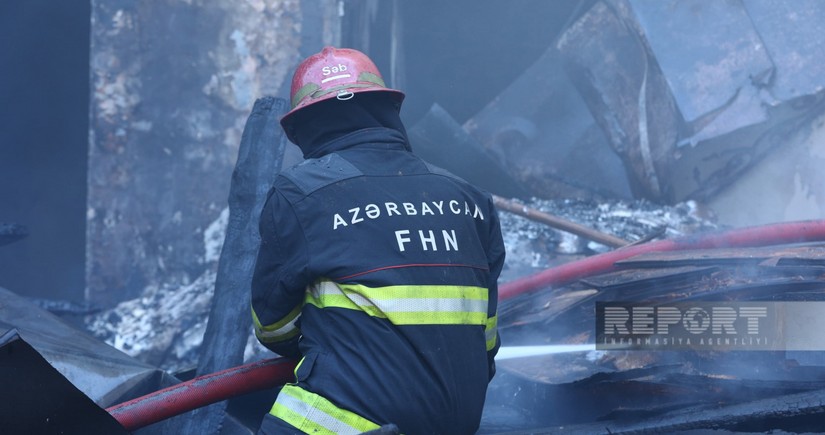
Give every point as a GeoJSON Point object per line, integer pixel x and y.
{"type": "Point", "coordinates": [275, 426]}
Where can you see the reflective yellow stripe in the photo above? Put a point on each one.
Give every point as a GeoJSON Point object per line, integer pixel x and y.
{"type": "Point", "coordinates": [406, 305]}
{"type": "Point", "coordinates": [297, 366]}
{"type": "Point", "coordinates": [281, 330]}
{"type": "Point", "coordinates": [314, 414]}
{"type": "Point", "coordinates": [491, 332]}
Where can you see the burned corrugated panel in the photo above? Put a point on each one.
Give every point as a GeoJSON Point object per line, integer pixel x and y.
{"type": "Point", "coordinates": [172, 83]}
{"type": "Point", "coordinates": [609, 62]}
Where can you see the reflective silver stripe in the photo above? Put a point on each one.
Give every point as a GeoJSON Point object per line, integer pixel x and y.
{"type": "Point", "coordinates": [279, 333]}
{"type": "Point", "coordinates": [312, 413]}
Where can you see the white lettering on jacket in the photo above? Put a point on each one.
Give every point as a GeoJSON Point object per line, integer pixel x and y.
{"type": "Point", "coordinates": [360, 214]}
{"type": "Point", "coordinates": [429, 240]}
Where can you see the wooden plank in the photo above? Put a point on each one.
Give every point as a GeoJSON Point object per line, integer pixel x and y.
{"type": "Point", "coordinates": [644, 277]}
{"type": "Point", "coordinates": [810, 255]}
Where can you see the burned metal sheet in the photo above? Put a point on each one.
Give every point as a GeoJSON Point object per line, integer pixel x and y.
{"type": "Point", "coordinates": [609, 62]}
{"type": "Point", "coordinates": [38, 399]}
{"type": "Point", "coordinates": [104, 374]}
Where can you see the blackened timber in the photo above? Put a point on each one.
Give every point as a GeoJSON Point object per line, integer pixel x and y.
{"type": "Point", "coordinates": [259, 161]}
{"type": "Point", "coordinates": [635, 278]}
{"type": "Point", "coordinates": [559, 223]}
{"type": "Point", "coordinates": [811, 255]}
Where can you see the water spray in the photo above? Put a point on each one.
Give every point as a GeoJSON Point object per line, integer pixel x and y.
{"type": "Point", "coordinates": [512, 352]}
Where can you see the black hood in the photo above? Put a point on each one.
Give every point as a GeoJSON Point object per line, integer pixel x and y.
{"type": "Point", "coordinates": [316, 125]}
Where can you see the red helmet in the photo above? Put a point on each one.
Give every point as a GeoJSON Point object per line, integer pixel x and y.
{"type": "Point", "coordinates": [335, 73]}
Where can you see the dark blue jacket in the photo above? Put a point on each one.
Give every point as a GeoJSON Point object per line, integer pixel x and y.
{"type": "Point", "coordinates": [380, 270]}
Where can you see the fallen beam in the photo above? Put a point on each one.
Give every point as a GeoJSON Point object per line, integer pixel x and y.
{"type": "Point", "coordinates": [559, 223]}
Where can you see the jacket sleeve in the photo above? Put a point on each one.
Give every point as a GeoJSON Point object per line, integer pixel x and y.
{"type": "Point", "coordinates": [495, 260]}
{"type": "Point", "coordinates": [280, 278]}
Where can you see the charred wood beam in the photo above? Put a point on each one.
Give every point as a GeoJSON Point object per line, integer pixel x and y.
{"type": "Point", "coordinates": [768, 256]}
{"type": "Point", "coordinates": [259, 161]}
{"type": "Point", "coordinates": [559, 223]}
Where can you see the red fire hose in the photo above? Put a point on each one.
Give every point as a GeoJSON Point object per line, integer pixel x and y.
{"type": "Point", "coordinates": [774, 234]}
{"type": "Point", "coordinates": [212, 388]}
{"type": "Point", "coordinates": [202, 391]}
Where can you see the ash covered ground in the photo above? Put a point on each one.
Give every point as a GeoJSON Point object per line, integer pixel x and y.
{"type": "Point", "coordinates": [164, 327]}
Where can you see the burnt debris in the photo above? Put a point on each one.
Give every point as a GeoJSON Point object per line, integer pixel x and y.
{"type": "Point", "coordinates": [660, 389]}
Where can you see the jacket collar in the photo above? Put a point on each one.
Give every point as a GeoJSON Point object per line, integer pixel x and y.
{"type": "Point", "coordinates": [389, 137]}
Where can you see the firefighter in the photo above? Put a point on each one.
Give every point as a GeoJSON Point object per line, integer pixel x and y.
{"type": "Point", "coordinates": [376, 269]}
